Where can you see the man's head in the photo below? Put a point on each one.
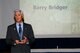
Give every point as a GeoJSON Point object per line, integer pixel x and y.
{"type": "Point", "coordinates": [18, 16]}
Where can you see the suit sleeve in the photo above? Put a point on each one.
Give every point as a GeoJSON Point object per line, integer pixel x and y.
{"type": "Point", "coordinates": [8, 36]}
{"type": "Point", "coordinates": [31, 35]}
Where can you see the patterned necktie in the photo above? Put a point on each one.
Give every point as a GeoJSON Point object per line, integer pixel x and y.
{"type": "Point", "coordinates": [20, 32]}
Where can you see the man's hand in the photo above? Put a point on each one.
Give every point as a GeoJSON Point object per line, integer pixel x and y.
{"type": "Point", "coordinates": [24, 41]}
{"type": "Point", "coordinates": [17, 41]}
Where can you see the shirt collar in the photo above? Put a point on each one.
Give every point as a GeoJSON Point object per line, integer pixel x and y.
{"type": "Point", "coordinates": [19, 23]}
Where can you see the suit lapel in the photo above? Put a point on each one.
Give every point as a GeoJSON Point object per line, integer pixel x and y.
{"type": "Point", "coordinates": [24, 29]}
{"type": "Point", "coordinates": [15, 30]}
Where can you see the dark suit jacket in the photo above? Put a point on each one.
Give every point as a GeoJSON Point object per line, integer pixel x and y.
{"type": "Point", "coordinates": [13, 35]}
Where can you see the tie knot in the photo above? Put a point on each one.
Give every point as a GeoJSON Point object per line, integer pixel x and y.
{"type": "Point", "coordinates": [19, 24]}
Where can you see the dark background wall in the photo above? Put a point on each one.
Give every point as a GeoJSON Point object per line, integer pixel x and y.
{"type": "Point", "coordinates": [42, 43]}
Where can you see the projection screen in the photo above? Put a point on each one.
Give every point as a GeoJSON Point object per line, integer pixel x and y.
{"type": "Point", "coordinates": [52, 18]}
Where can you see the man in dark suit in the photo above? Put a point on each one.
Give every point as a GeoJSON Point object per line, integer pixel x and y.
{"type": "Point", "coordinates": [19, 35]}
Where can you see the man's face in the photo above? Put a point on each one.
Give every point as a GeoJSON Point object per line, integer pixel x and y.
{"type": "Point", "coordinates": [18, 17]}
